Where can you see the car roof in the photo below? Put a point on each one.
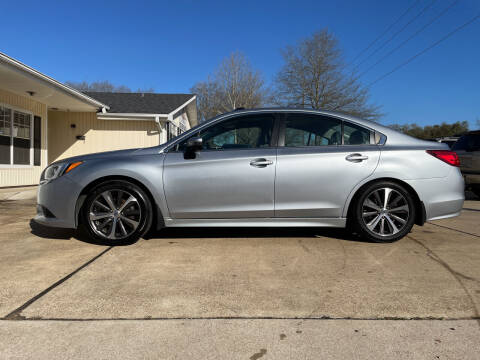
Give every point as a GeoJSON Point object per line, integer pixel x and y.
{"type": "Point", "coordinates": [393, 137]}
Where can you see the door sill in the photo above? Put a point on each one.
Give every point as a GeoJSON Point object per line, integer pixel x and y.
{"type": "Point", "coordinates": [258, 222]}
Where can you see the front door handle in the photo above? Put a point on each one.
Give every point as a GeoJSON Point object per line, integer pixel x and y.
{"type": "Point", "coordinates": [260, 163]}
{"type": "Point", "coordinates": [356, 157]}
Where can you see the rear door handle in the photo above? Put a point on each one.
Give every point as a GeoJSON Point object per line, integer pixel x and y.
{"type": "Point", "coordinates": [356, 157]}
{"type": "Point", "coordinates": [260, 163]}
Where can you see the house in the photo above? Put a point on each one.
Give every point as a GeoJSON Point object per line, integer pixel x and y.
{"type": "Point", "coordinates": [43, 120]}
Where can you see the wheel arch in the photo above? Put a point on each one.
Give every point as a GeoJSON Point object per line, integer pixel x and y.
{"type": "Point", "coordinates": [420, 213]}
{"type": "Point", "coordinates": [157, 218]}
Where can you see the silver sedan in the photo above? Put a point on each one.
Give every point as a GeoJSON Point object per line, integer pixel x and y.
{"type": "Point", "coordinates": [266, 167]}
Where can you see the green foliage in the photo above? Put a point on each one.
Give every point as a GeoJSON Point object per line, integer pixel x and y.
{"type": "Point", "coordinates": [433, 131]}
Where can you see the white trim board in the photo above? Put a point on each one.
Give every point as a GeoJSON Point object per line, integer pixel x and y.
{"type": "Point", "coordinates": [52, 82]}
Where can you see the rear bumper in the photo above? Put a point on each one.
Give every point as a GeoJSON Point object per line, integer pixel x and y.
{"type": "Point", "coordinates": [442, 197]}
{"type": "Point", "coordinates": [56, 203]}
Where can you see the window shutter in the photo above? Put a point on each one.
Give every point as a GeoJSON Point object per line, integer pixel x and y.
{"type": "Point", "coordinates": [37, 140]}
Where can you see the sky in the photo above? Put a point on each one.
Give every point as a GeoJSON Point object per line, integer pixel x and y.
{"type": "Point", "coordinates": [170, 45]}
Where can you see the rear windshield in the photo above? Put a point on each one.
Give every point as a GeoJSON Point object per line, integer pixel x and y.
{"type": "Point", "coordinates": [470, 142]}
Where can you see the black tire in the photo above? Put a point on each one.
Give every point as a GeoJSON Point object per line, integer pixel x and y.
{"type": "Point", "coordinates": [359, 225]}
{"type": "Point", "coordinates": [143, 212]}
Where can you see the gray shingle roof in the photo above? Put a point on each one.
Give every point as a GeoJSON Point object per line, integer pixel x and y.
{"type": "Point", "coordinates": [144, 103]}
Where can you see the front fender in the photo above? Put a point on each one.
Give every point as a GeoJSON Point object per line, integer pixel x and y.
{"type": "Point", "coordinates": [145, 169]}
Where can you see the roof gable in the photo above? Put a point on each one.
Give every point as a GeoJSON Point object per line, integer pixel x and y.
{"type": "Point", "coordinates": [141, 103]}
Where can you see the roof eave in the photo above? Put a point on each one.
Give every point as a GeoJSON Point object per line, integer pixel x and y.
{"type": "Point", "coordinates": [171, 113]}
{"type": "Point", "coordinates": [37, 74]}
{"type": "Point", "coordinates": [130, 116]}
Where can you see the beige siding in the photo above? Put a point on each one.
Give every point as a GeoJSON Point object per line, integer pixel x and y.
{"type": "Point", "coordinates": [29, 175]}
{"type": "Point", "coordinates": [192, 114]}
{"type": "Point", "coordinates": [100, 135]}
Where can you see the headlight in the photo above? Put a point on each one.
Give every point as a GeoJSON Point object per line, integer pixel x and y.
{"type": "Point", "coordinates": [55, 170]}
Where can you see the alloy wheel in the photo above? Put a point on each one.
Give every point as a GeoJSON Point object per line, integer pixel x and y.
{"type": "Point", "coordinates": [385, 211]}
{"type": "Point", "coordinates": [115, 214]}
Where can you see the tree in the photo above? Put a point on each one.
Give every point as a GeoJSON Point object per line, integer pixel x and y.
{"type": "Point", "coordinates": [433, 131]}
{"type": "Point", "coordinates": [103, 86]}
{"type": "Point", "coordinates": [233, 84]}
{"type": "Point", "coordinates": [315, 76]}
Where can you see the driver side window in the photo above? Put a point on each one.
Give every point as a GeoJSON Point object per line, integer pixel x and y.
{"type": "Point", "coordinates": [245, 132]}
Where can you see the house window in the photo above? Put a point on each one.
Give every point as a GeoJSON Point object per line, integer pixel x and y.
{"type": "Point", "coordinates": [5, 138]}
{"type": "Point", "coordinates": [16, 140]}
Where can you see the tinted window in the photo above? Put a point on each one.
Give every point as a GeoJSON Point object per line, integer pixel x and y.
{"type": "Point", "coordinates": [312, 130]}
{"type": "Point", "coordinates": [469, 142]}
{"type": "Point", "coordinates": [355, 135]}
{"type": "Point", "coordinates": [246, 132]}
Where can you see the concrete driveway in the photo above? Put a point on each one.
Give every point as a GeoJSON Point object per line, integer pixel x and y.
{"type": "Point", "coordinates": [239, 293]}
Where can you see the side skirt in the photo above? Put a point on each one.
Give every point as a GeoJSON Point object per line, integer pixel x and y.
{"type": "Point", "coordinates": [258, 222]}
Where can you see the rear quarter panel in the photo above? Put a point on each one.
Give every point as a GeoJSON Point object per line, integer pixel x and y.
{"type": "Point", "coordinates": [429, 176]}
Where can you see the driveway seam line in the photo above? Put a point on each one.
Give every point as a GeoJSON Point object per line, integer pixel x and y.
{"type": "Point", "coordinates": [469, 318]}
{"type": "Point", "coordinates": [16, 314]}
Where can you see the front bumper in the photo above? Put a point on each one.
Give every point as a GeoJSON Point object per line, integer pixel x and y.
{"type": "Point", "coordinates": [56, 202]}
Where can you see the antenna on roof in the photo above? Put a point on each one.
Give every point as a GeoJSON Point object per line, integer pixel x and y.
{"type": "Point", "coordinates": [239, 108]}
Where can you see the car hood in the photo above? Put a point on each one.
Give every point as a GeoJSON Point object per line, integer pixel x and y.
{"type": "Point", "coordinates": [112, 154]}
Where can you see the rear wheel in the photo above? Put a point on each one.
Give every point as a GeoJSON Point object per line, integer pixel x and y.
{"type": "Point", "coordinates": [117, 212]}
{"type": "Point", "coordinates": [384, 212]}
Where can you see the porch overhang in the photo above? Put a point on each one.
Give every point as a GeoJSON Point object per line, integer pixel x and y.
{"type": "Point", "coordinates": [23, 80]}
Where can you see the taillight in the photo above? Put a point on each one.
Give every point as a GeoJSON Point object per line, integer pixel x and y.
{"type": "Point", "coordinates": [450, 157]}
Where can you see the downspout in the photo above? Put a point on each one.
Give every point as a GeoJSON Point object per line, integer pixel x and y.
{"type": "Point", "coordinates": [157, 121]}
{"type": "Point", "coordinates": [169, 120]}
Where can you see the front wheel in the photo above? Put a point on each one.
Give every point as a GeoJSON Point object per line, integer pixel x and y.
{"type": "Point", "coordinates": [117, 213]}
{"type": "Point", "coordinates": [384, 212]}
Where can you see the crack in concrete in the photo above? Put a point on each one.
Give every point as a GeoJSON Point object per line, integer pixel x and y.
{"type": "Point", "coordinates": [457, 275]}
{"type": "Point", "coordinates": [304, 247]}
{"type": "Point", "coordinates": [449, 228]}
{"type": "Point", "coordinates": [344, 266]}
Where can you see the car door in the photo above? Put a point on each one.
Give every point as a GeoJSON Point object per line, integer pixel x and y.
{"type": "Point", "coordinates": [231, 177]}
{"type": "Point", "coordinates": [319, 161]}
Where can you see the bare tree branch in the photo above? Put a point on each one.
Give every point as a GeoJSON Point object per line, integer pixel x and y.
{"type": "Point", "coordinates": [104, 86]}
{"type": "Point", "coordinates": [315, 76]}
{"type": "Point", "coordinates": [234, 84]}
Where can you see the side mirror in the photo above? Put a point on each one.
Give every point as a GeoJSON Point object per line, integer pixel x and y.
{"type": "Point", "coordinates": [193, 145]}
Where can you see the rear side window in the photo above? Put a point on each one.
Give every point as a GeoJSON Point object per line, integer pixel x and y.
{"type": "Point", "coordinates": [470, 142]}
{"type": "Point", "coordinates": [316, 130]}
{"type": "Point", "coordinates": [312, 130]}
{"type": "Point", "coordinates": [355, 135]}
